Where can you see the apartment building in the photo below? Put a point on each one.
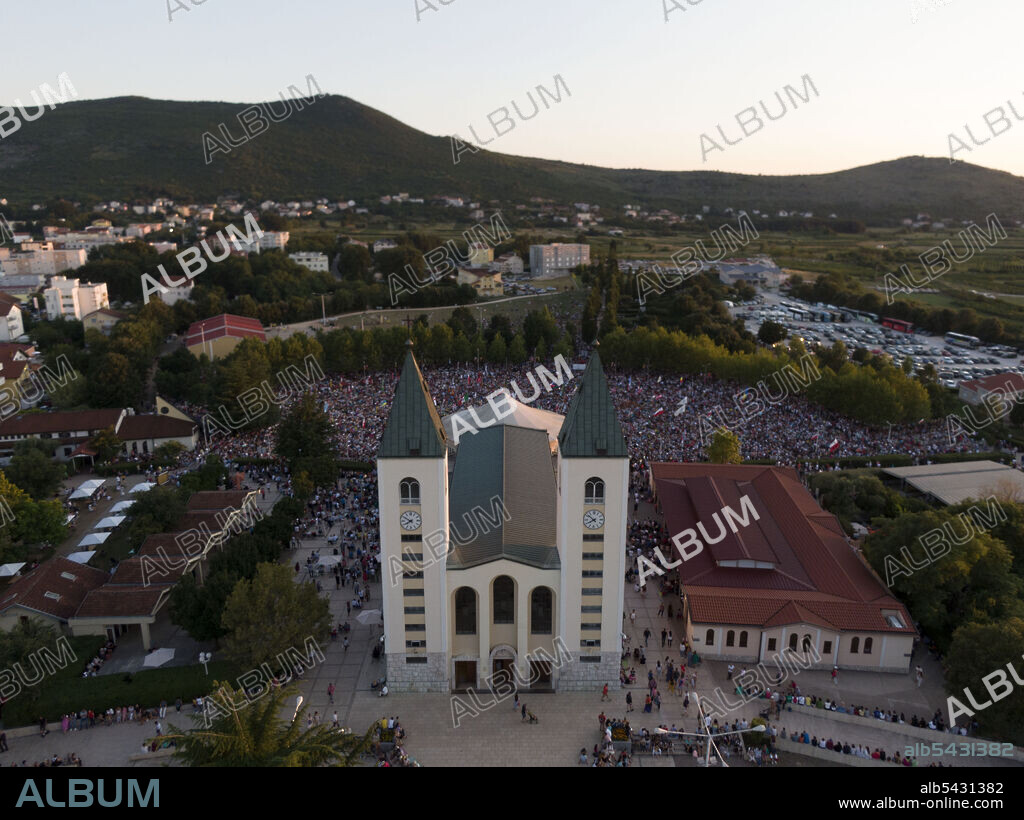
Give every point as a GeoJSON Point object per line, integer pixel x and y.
{"type": "Point", "coordinates": [69, 298]}
{"type": "Point", "coordinates": [557, 259]}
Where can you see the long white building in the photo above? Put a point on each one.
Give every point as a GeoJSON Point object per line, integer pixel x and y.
{"type": "Point", "coordinates": [69, 298]}
{"type": "Point", "coordinates": [556, 259]}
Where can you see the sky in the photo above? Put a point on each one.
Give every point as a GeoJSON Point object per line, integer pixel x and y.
{"type": "Point", "coordinates": [643, 85]}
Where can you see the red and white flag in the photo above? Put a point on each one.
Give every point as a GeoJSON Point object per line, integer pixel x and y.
{"type": "Point", "coordinates": [834, 445]}
{"type": "Point", "coordinates": [658, 412]}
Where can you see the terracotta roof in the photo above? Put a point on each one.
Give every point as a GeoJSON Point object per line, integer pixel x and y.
{"type": "Point", "coordinates": [226, 324]}
{"type": "Point", "coordinates": [218, 499]}
{"type": "Point", "coordinates": [162, 543]}
{"type": "Point", "coordinates": [147, 571]}
{"type": "Point", "coordinates": [154, 426]}
{"type": "Point", "coordinates": [7, 302]}
{"type": "Point", "coordinates": [213, 521]}
{"type": "Point", "coordinates": [1011, 382]}
{"type": "Point", "coordinates": [815, 575]}
{"type": "Point", "coordinates": [60, 422]}
{"type": "Point", "coordinates": [56, 587]}
{"type": "Point", "coordinates": [122, 601]}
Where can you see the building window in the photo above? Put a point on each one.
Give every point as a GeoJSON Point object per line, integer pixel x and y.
{"type": "Point", "coordinates": [743, 639]}
{"type": "Point", "coordinates": [504, 600]}
{"type": "Point", "coordinates": [854, 646]}
{"type": "Point", "coordinates": [593, 573]}
{"type": "Point", "coordinates": [588, 642]}
{"type": "Point", "coordinates": [793, 640]}
{"type": "Point", "coordinates": [593, 536]}
{"type": "Point", "coordinates": [590, 609]}
{"type": "Point", "coordinates": [771, 644]}
{"type": "Point", "coordinates": [591, 627]}
{"type": "Point", "coordinates": [410, 491]}
{"type": "Point", "coordinates": [730, 638]}
{"type": "Point", "coordinates": [416, 660]}
{"type": "Point", "coordinates": [415, 627]}
{"type": "Point", "coordinates": [589, 659]}
{"type": "Point", "coordinates": [414, 537]}
{"type": "Point", "coordinates": [541, 607]}
{"type": "Point", "coordinates": [412, 556]}
{"type": "Point", "coordinates": [415, 610]}
{"type": "Point", "coordinates": [709, 638]}
{"type": "Point", "coordinates": [412, 593]}
{"type": "Point", "coordinates": [593, 492]}
{"type": "Point", "coordinates": [415, 644]}
{"type": "Point", "coordinates": [807, 643]}
{"type": "Point", "coordinates": [591, 590]}
{"type": "Point", "coordinates": [412, 573]}
{"type": "Point", "coordinates": [593, 556]}
{"type": "Point", "coordinates": [867, 645]}
{"type": "Point", "coordinates": [465, 611]}
{"type": "Point", "coordinates": [827, 648]}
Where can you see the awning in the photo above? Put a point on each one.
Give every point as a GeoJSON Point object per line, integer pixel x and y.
{"type": "Point", "coordinates": [142, 487]}
{"type": "Point", "coordinates": [8, 570]}
{"type": "Point", "coordinates": [94, 538]}
{"type": "Point", "coordinates": [87, 488]}
{"type": "Point", "coordinates": [121, 506]}
{"type": "Point", "coordinates": [83, 557]}
{"type": "Point", "coordinates": [109, 522]}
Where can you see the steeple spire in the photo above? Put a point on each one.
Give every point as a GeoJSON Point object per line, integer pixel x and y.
{"type": "Point", "coordinates": [414, 428]}
{"type": "Point", "coordinates": [591, 428]}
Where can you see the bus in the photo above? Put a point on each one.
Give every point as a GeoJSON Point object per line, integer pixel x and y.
{"type": "Point", "coordinates": [960, 340]}
{"type": "Point", "coordinates": [898, 324]}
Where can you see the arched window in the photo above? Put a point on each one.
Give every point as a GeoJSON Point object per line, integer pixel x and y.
{"type": "Point", "coordinates": [410, 491]}
{"type": "Point", "coordinates": [709, 638]}
{"type": "Point", "coordinates": [504, 600]}
{"type": "Point", "coordinates": [854, 646]}
{"type": "Point", "coordinates": [792, 641]}
{"type": "Point", "coordinates": [743, 638]}
{"type": "Point", "coordinates": [730, 638]}
{"type": "Point", "coordinates": [593, 492]}
{"type": "Point", "coordinates": [867, 645]}
{"type": "Point", "coordinates": [465, 611]}
{"type": "Point", "coordinates": [540, 611]}
{"type": "Point", "coordinates": [807, 643]}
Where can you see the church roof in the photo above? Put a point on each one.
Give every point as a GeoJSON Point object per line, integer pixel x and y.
{"type": "Point", "coordinates": [512, 465]}
{"type": "Point", "coordinates": [414, 429]}
{"type": "Point", "coordinates": [591, 428]}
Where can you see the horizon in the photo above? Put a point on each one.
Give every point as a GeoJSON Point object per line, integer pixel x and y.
{"type": "Point", "coordinates": [887, 86]}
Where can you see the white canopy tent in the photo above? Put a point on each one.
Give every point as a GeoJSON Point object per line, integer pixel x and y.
{"type": "Point", "coordinates": [9, 570]}
{"type": "Point", "coordinates": [158, 657]}
{"type": "Point", "coordinates": [83, 557]}
{"type": "Point", "coordinates": [121, 506]}
{"type": "Point", "coordinates": [94, 538]}
{"type": "Point", "coordinates": [109, 522]}
{"type": "Point", "coordinates": [87, 488]}
{"type": "Point", "coordinates": [142, 487]}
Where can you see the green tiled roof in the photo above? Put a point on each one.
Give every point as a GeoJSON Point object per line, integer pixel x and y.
{"type": "Point", "coordinates": [512, 464]}
{"type": "Point", "coordinates": [591, 428]}
{"type": "Point", "coordinates": [414, 429]}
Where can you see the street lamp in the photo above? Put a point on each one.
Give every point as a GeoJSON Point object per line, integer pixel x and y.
{"type": "Point", "coordinates": [298, 705]}
{"type": "Point", "coordinates": [204, 659]}
{"type": "Point", "coordinates": [707, 736]}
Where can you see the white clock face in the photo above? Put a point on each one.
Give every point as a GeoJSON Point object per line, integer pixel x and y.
{"type": "Point", "coordinates": [411, 520]}
{"type": "Point", "coordinates": [593, 520]}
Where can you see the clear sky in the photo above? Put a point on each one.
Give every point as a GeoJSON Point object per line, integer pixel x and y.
{"type": "Point", "coordinates": [643, 89]}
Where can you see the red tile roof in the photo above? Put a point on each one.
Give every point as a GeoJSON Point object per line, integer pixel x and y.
{"type": "Point", "coordinates": [147, 571]}
{"type": "Point", "coordinates": [60, 422]}
{"type": "Point", "coordinates": [69, 581]}
{"type": "Point", "coordinates": [122, 601]}
{"type": "Point", "coordinates": [815, 577]}
{"type": "Point", "coordinates": [218, 499]}
{"type": "Point", "coordinates": [226, 324]}
{"type": "Point", "coordinates": [1010, 382]}
{"type": "Point", "coordinates": [154, 426]}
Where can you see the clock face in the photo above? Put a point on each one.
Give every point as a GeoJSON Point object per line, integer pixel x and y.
{"type": "Point", "coordinates": [411, 520]}
{"type": "Point", "coordinates": [593, 520]}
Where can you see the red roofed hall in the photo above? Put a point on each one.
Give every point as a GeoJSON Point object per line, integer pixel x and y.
{"type": "Point", "coordinates": [219, 335]}
{"type": "Point", "coordinates": [767, 569]}
{"type": "Point", "coordinates": [1005, 384]}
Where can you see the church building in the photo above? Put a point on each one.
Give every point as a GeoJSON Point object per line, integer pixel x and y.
{"type": "Point", "coordinates": [503, 550]}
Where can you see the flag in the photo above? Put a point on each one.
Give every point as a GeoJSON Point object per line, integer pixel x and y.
{"type": "Point", "coordinates": [815, 436]}
{"type": "Point", "coordinates": [834, 445]}
{"type": "Point", "coordinates": [631, 382]}
{"type": "Point", "coordinates": [659, 411]}
{"type": "Point", "coordinates": [659, 379]}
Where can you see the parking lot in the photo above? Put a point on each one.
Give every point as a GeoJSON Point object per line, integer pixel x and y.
{"type": "Point", "coordinates": [954, 363]}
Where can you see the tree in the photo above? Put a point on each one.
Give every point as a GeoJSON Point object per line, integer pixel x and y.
{"type": "Point", "coordinates": [253, 734]}
{"type": "Point", "coordinates": [106, 444]}
{"type": "Point", "coordinates": [270, 613]}
{"type": "Point", "coordinates": [169, 451]}
{"type": "Point", "coordinates": [517, 350]}
{"type": "Point", "coordinates": [462, 320]}
{"type": "Point", "coordinates": [724, 447]}
{"type": "Point", "coordinates": [33, 469]}
{"type": "Point", "coordinates": [497, 352]}
{"type": "Point", "coordinates": [771, 332]}
{"type": "Point", "coordinates": [305, 440]}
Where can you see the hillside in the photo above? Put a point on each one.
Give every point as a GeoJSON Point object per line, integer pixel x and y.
{"type": "Point", "coordinates": [131, 146]}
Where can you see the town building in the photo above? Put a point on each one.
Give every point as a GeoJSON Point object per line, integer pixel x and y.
{"type": "Point", "coordinates": [774, 572]}
{"type": "Point", "coordinates": [69, 298]}
{"type": "Point", "coordinates": [480, 254]}
{"type": "Point", "coordinates": [313, 261]}
{"type": "Point", "coordinates": [39, 258]}
{"type": "Point", "coordinates": [11, 325]}
{"type": "Point", "coordinates": [483, 281]}
{"type": "Point", "coordinates": [507, 263]}
{"type": "Point", "coordinates": [557, 259]}
{"type": "Point", "coordinates": [1002, 385]}
{"type": "Point", "coordinates": [503, 550]}
{"type": "Point", "coordinates": [103, 320]}
{"type": "Point", "coordinates": [219, 335]}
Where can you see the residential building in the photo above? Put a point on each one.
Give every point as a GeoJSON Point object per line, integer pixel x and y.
{"type": "Point", "coordinates": [480, 254]}
{"type": "Point", "coordinates": [22, 285]}
{"type": "Point", "coordinates": [1003, 384]}
{"type": "Point", "coordinates": [779, 575]}
{"type": "Point", "coordinates": [557, 259]}
{"type": "Point", "coordinates": [70, 298]}
{"type": "Point", "coordinates": [219, 335]}
{"type": "Point", "coordinates": [11, 326]}
{"type": "Point", "coordinates": [313, 261]}
{"type": "Point", "coordinates": [41, 259]}
{"type": "Point", "coordinates": [484, 281]}
{"type": "Point", "coordinates": [50, 594]}
{"type": "Point", "coordinates": [103, 320]}
{"type": "Point", "coordinates": [536, 584]}
{"type": "Point", "coordinates": [507, 263]}
{"type": "Point", "coordinates": [274, 240]}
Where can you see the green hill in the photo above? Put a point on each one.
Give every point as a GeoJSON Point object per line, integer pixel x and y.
{"type": "Point", "coordinates": [129, 147]}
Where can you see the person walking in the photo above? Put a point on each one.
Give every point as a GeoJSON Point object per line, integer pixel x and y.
{"type": "Point", "coordinates": [3, 741]}
{"type": "Point", "coordinates": [632, 617]}
{"type": "Point", "coordinates": [523, 710]}
{"type": "Point", "coordinates": [629, 701]}
{"type": "Point", "coordinates": [919, 675]}
{"type": "Point", "coordinates": [330, 692]}
{"type": "Point", "coordinates": [647, 637]}
{"type": "Point", "coordinates": [604, 693]}
{"type": "Point", "coordinates": [664, 635]}
{"type": "Point", "coordinates": [835, 675]}
{"type": "Point", "coordinates": [344, 643]}
{"type": "Point", "coordinates": [515, 703]}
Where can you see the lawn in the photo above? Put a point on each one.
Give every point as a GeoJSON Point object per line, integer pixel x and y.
{"type": "Point", "coordinates": [67, 691]}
